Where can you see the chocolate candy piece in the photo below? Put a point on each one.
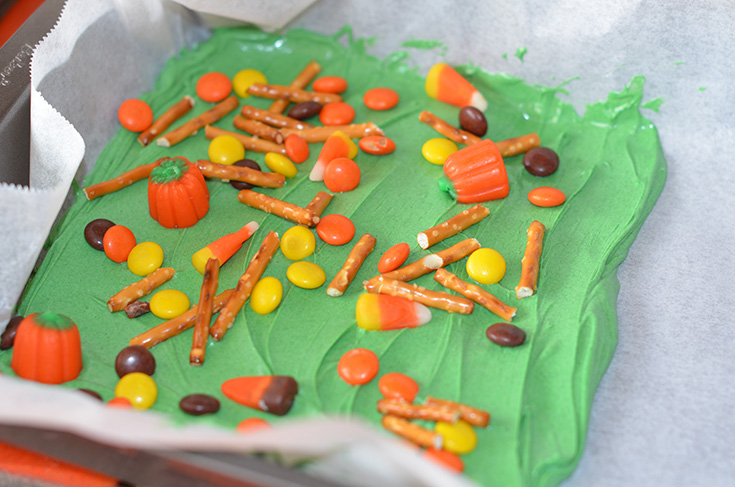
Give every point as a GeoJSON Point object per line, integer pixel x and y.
{"type": "Point", "coordinates": [198, 404]}
{"type": "Point", "coordinates": [473, 121]}
{"type": "Point", "coordinates": [91, 393]}
{"type": "Point", "coordinates": [506, 335]}
{"type": "Point", "coordinates": [94, 232]}
{"type": "Point", "coordinates": [137, 308]}
{"type": "Point", "coordinates": [135, 359]}
{"type": "Point", "coordinates": [244, 163]}
{"type": "Point", "coordinates": [304, 110]}
{"type": "Point", "coordinates": [8, 336]}
{"type": "Point", "coordinates": [541, 161]}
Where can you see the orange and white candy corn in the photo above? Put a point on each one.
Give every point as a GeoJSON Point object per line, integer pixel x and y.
{"type": "Point", "coordinates": [445, 84]}
{"type": "Point", "coordinates": [384, 312]}
{"type": "Point", "coordinates": [336, 145]}
{"type": "Point", "coordinates": [224, 247]}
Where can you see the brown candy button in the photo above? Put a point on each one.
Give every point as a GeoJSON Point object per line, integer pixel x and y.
{"type": "Point", "coordinates": [506, 335]}
{"type": "Point", "coordinates": [473, 121]}
{"type": "Point", "coordinates": [541, 161]}
{"type": "Point", "coordinates": [244, 163]}
{"type": "Point", "coordinates": [198, 404]}
{"type": "Point", "coordinates": [304, 110]}
{"type": "Point", "coordinates": [8, 336]}
{"type": "Point", "coordinates": [135, 358]}
{"type": "Point", "coordinates": [91, 393]}
{"type": "Point", "coordinates": [94, 232]}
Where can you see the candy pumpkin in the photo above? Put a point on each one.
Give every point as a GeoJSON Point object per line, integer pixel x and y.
{"type": "Point", "coordinates": [177, 193]}
{"type": "Point", "coordinates": [47, 349]}
{"type": "Point", "coordinates": [475, 174]}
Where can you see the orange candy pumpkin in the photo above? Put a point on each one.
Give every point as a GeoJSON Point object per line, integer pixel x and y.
{"type": "Point", "coordinates": [47, 349]}
{"type": "Point", "coordinates": [177, 193]}
{"type": "Point", "coordinates": [475, 174]}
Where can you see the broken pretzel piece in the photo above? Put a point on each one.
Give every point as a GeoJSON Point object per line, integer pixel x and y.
{"type": "Point", "coordinates": [320, 134]}
{"type": "Point", "coordinates": [301, 81]}
{"type": "Point", "coordinates": [319, 203]}
{"type": "Point", "coordinates": [122, 181]}
{"type": "Point", "coordinates": [258, 129]}
{"type": "Point", "coordinates": [447, 130]}
{"type": "Point", "coordinates": [139, 289]}
{"type": "Point", "coordinates": [250, 143]}
{"type": "Point", "coordinates": [412, 292]}
{"type": "Point", "coordinates": [211, 169]}
{"type": "Point", "coordinates": [412, 432]}
{"type": "Point", "coordinates": [469, 414]}
{"type": "Point", "coordinates": [530, 262]}
{"type": "Point", "coordinates": [204, 313]}
{"type": "Point", "coordinates": [407, 410]}
{"type": "Point", "coordinates": [164, 121]}
{"type": "Point", "coordinates": [354, 261]}
{"type": "Point", "coordinates": [192, 126]}
{"type": "Point", "coordinates": [292, 94]}
{"type": "Point", "coordinates": [273, 119]}
{"type": "Point", "coordinates": [278, 207]}
{"type": "Point", "coordinates": [475, 293]}
{"type": "Point", "coordinates": [451, 227]}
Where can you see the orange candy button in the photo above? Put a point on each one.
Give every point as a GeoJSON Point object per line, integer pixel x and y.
{"type": "Point", "coordinates": [120, 402]}
{"type": "Point", "coordinates": [394, 257]}
{"type": "Point", "coordinates": [358, 366]}
{"type": "Point", "coordinates": [341, 175]}
{"type": "Point", "coordinates": [337, 113]}
{"type": "Point", "coordinates": [377, 145]}
{"type": "Point", "coordinates": [330, 84]}
{"type": "Point", "coordinates": [395, 385]}
{"type": "Point", "coordinates": [135, 115]}
{"type": "Point", "coordinates": [546, 196]}
{"type": "Point", "coordinates": [214, 87]}
{"type": "Point", "coordinates": [380, 98]}
{"type": "Point", "coordinates": [296, 148]}
{"type": "Point", "coordinates": [335, 229]}
{"type": "Point", "coordinates": [118, 242]}
{"type": "Point", "coordinates": [252, 424]}
{"type": "Point", "coordinates": [447, 459]}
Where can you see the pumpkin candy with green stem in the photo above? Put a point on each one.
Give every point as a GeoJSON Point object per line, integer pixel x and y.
{"type": "Point", "coordinates": [177, 193]}
{"type": "Point", "coordinates": [47, 349]}
{"type": "Point", "coordinates": [475, 174]}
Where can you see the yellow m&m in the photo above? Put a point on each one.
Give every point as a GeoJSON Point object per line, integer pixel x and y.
{"type": "Point", "coordinates": [281, 164]}
{"type": "Point", "coordinates": [145, 258]}
{"type": "Point", "coordinates": [243, 79]}
{"type": "Point", "coordinates": [138, 388]}
{"type": "Point", "coordinates": [226, 149]}
{"type": "Point", "coordinates": [458, 438]}
{"type": "Point", "coordinates": [306, 275]}
{"type": "Point", "coordinates": [169, 303]}
{"type": "Point", "coordinates": [437, 150]}
{"type": "Point", "coordinates": [486, 266]}
{"type": "Point", "coordinates": [298, 243]}
{"type": "Point", "coordinates": [266, 295]}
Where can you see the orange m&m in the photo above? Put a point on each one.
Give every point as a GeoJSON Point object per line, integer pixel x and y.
{"type": "Point", "coordinates": [118, 242]}
{"type": "Point", "coordinates": [377, 145]}
{"type": "Point", "coordinates": [252, 424]}
{"type": "Point", "coordinates": [445, 458]}
{"type": "Point", "coordinates": [337, 113]}
{"type": "Point", "coordinates": [380, 98]}
{"type": "Point", "coordinates": [214, 87]}
{"type": "Point", "coordinates": [335, 229]}
{"type": "Point", "coordinates": [135, 115]}
{"type": "Point", "coordinates": [296, 148]}
{"type": "Point", "coordinates": [330, 84]}
{"type": "Point", "coordinates": [341, 175]}
{"type": "Point", "coordinates": [546, 197]}
{"type": "Point", "coordinates": [395, 385]}
{"type": "Point", "coordinates": [358, 366]}
{"type": "Point", "coordinates": [394, 257]}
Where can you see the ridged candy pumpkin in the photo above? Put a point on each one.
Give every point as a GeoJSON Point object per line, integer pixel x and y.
{"type": "Point", "coordinates": [47, 349]}
{"type": "Point", "coordinates": [475, 174]}
{"type": "Point", "coordinates": [177, 193]}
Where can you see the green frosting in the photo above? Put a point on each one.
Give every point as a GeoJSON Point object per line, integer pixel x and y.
{"type": "Point", "coordinates": [540, 394]}
{"type": "Point", "coordinates": [169, 170]}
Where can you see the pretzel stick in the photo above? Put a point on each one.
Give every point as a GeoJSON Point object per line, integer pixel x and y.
{"type": "Point", "coordinates": [164, 121]}
{"type": "Point", "coordinates": [354, 261]}
{"type": "Point", "coordinates": [320, 134]}
{"type": "Point", "coordinates": [278, 207]}
{"type": "Point", "coordinates": [415, 269]}
{"type": "Point", "coordinates": [250, 143]}
{"type": "Point", "coordinates": [190, 128]}
{"type": "Point", "coordinates": [518, 145]}
{"type": "Point", "coordinates": [435, 261]}
{"type": "Point", "coordinates": [412, 432]}
{"type": "Point", "coordinates": [204, 313]}
{"type": "Point", "coordinates": [258, 129]}
{"type": "Point", "coordinates": [473, 416]}
{"type": "Point", "coordinates": [412, 292]}
{"type": "Point", "coordinates": [171, 328]}
{"type": "Point", "coordinates": [447, 130]}
{"type": "Point", "coordinates": [319, 203]}
{"type": "Point", "coordinates": [139, 289]}
{"type": "Point", "coordinates": [122, 181]}
{"type": "Point", "coordinates": [245, 286]}
{"type": "Point", "coordinates": [292, 94]}
{"type": "Point", "coordinates": [530, 262]}
{"type": "Point", "coordinates": [211, 169]}
{"type": "Point", "coordinates": [274, 119]}
{"type": "Point", "coordinates": [406, 410]}
{"type": "Point", "coordinates": [475, 293]}
{"type": "Point", "coordinates": [301, 81]}
{"type": "Point", "coordinates": [451, 227]}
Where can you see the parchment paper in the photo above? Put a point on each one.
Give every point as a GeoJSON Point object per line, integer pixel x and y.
{"type": "Point", "coordinates": [662, 415]}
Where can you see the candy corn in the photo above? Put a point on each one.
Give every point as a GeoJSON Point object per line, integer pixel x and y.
{"type": "Point", "coordinates": [445, 84]}
{"type": "Point", "coordinates": [270, 393]}
{"type": "Point", "coordinates": [384, 312]}
{"type": "Point", "coordinates": [336, 145]}
{"type": "Point", "coordinates": [224, 247]}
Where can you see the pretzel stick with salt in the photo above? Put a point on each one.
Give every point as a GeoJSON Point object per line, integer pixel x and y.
{"type": "Point", "coordinates": [192, 126]}
{"type": "Point", "coordinates": [139, 289]}
{"type": "Point", "coordinates": [518, 145]}
{"type": "Point", "coordinates": [122, 181]}
{"type": "Point", "coordinates": [320, 134]}
{"type": "Point", "coordinates": [211, 169]}
{"type": "Point", "coordinates": [171, 328]}
{"type": "Point", "coordinates": [354, 261]}
{"type": "Point", "coordinates": [274, 119]}
{"type": "Point", "coordinates": [250, 143]}
{"type": "Point", "coordinates": [204, 313]}
{"type": "Point", "coordinates": [319, 203]}
{"type": "Point", "coordinates": [412, 292]}
{"type": "Point", "coordinates": [292, 94]}
{"type": "Point", "coordinates": [451, 227]}
{"type": "Point", "coordinates": [412, 432]}
{"type": "Point", "coordinates": [425, 412]}
{"type": "Point", "coordinates": [301, 81]}
{"type": "Point", "coordinates": [278, 207]}
{"type": "Point", "coordinates": [245, 286]}
{"type": "Point", "coordinates": [475, 293]}
{"type": "Point", "coordinates": [447, 130]}
{"type": "Point", "coordinates": [258, 129]}
{"type": "Point", "coordinates": [469, 414]}
{"type": "Point", "coordinates": [435, 261]}
{"type": "Point", "coordinates": [530, 262]}
{"type": "Point", "coordinates": [164, 121]}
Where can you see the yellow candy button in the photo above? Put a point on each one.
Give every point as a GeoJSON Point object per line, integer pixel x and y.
{"type": "Point", "coordinates": [457, 438]}
{"type": "Point", "coordinates": [226, 149]}
{"type": "Point", "coordinates": [145, 258]}
{"type": "Point", "coordinates": [243, 79]}
{"type": "Point", "coordinates": [138, 388]}
{"type": "Point", "coordinates": [306, 275]}
{"type": "Point", "coordinates": [437, 150]}
{"type": "Point", "coordinates": [266, 295]}
{"type": "Point", "coordinates": [281, 164]}
{"type": "Point", "coordinates": [169, 303]}
{"type": "Point", "coordinates": [486, 266]}
{"type": "Point", "coordinates": [298, 243]}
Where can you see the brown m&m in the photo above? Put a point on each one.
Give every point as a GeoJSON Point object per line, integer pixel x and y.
{"type": "Point", "coordinates": [135, 358]}
{"type": "Point", "coordinates": [8, 336]}
{"type": "Point", "coordinates": [473, 121]}
{"type": "Point", "coordinates": [541, 161]}
{"type": "Point", "coordinates": [249, 163]}
{"type": "Point", "coordinates": [304, 110]}
{"type": "Point", "coordinates": [94, 232]}
{"type": "Point", "coordinates": [506, 335]}
{"type": "Point", "coordinates": [199, 404]}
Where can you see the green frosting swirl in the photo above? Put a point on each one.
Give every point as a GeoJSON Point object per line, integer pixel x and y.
{"type": "Point", "coordinates": [169, 170]}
